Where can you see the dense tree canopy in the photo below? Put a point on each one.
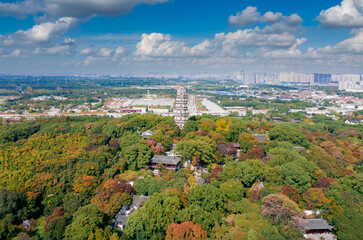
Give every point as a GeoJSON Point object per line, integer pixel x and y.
{"type": "Point", "coordinates": [71, 175]}
{"type": "Point", "coordinates": [289, 133]}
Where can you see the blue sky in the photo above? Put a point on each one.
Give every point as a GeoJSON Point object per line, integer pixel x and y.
{"type": "Point", "coordinates": [180, 36]}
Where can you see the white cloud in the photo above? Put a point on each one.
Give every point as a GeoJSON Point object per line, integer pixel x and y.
{"type": "Point", "coordinates": [348, 14]}
{"type": "Point", "coordinates": [246, 17]}
{"type": "Point", "coordinates": [102, 55]}
{"type": "Point", "coordinates": [353, 45]}
{"type": "Point", "coordinates": [292, 52]}
{"type": "Point", "coordinates": [14, 54]}
{"type": "Point", "coordinates": [271, 17]}
{"type": "Point", "coordinates": [41, 33]}
{"type": "Point", "coordinates": [233, 44]}
{"type": "Point", "coordinates": [251, 16]}
{"type": "Point", "coordinates": [73, 8]}
{"type": "Point", "coordinates": [58, 50]}
{"type": "Point", "coordinates": [160, 45]}
{"type": "Point", "coordinates": [44, 32]}
{"type": "Point", "coordinates": [20, 9]}
{"type": "Point", "coordinates": [256, 38]}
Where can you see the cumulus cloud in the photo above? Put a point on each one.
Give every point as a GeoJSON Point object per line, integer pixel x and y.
{"type": "Point", "coordinates": [246, 17]}
{"type": "Point", "coordinates": [250, 16]}
{"type": "Point", "coordinates": [58, 50]}
{"type": "Point", "coordinates": [348, 14]}
{"type": "Point", "coordinates": [64, 49]}
{"type": "Point", "coordinates": [42, 39]}
{"type": "Point", "coordinates": [102, 54]}
{"type": "Point", "coordinates": [353, 45]}
{"type": "Point", "coordinates": [161, 45]}
{"type": "Point", "coordinates": [73, 8]}
{"type": "Point", "coordinates": [223, 44]}
{"type": "Point", "coordinates": [41, 33]}
{"type": "Point", "coordinates": [292, 52]}
{"type": "Point", "coordinates": [14, 54]}
{"type": "Point", "coordinates": [20, 9]}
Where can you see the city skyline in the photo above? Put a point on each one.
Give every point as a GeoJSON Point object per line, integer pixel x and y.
{"type": "Point", "coordinates": [124, 37]}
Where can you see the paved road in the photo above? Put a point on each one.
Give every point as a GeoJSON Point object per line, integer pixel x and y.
{"type": "Point", "coordinates": [192, 105]}
{"type": "Point", "coordinates": [213, 108]}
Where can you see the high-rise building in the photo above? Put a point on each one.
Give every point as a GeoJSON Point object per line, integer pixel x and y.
{"type": "Point", "coordinates": [349, 82]}
{"type": "Point", "coordinates": [322, 78]}
{"type": "Point", "coordinates": [181, 107]}
{"type": "Point", "coordinates": [299, 78]}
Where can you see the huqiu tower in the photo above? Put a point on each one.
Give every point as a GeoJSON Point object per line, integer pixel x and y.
{"type": "Point", "coordinates": [181, 107]}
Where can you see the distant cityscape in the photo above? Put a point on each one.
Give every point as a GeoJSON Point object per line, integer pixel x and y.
{"type": "Point", "coordinates": [348, 82]}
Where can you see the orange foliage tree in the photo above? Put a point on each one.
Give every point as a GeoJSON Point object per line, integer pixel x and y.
{"type": "Point", "coordinates": [185, 231]}
{"type": "Point", "coordinates": [291, 192]}
{"type": "Point", "coordinates": [112, 195]}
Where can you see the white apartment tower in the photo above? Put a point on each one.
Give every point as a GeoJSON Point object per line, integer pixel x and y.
{"type": "Point", "coordinates": [181, 107]}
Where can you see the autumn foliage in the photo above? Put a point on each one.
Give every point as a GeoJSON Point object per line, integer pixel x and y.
{"type": "Point", "coordinates": [112, 195]}
{"type": "Point", "coordinates": [291, 192]}
{"type": "Point", "coordinates": [185, 231]}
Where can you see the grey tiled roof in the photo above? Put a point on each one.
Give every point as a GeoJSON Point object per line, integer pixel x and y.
{"type": "Point", "coordinates": [260, 137]}
{"type": "Point", "coordinates": [137, 201]}
{"type": "Point", "coordinates": [147, 134]}
{"type": "Point", "coordinates": [172, 160]}
{"type": "Point", "coordinates": [121, 220]}
{"type": "Point", "coordinates": [27, 223]}
{"type": "Point", "coordinates": [200, 181]}
{"type": "Point", "coordinates": [317, 224]}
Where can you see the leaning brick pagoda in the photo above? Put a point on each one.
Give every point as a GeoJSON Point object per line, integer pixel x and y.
{"type": "Point", "coordinates": [181, 107]}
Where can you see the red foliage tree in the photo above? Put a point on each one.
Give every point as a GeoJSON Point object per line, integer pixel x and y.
{"type": "Point", "coordinates": [214, 173]}
{"type": "Point", "coordinates": [256, 152]}
{"type": "Point", "coordinates": [57, 212]}
{"type": "Point", "coordinates": [113, 194]}
{"type": "Point", "coordinates": [156, 147]}
{"type": "Point", "coordinates": [324, 182]}
{"type": "Point", "coordinates": [202, 133]}
{"type": "Point", "coordinates": [115, 143]}
{"type": "Point", "coordinates": [291, 192]}
{"type": "Point", "coordinates": [185, 231]}
{"type": "Point", "coordinates": [227, 149]}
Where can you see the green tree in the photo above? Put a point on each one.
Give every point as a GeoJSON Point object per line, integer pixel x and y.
{"type": "Point", "coordinates": [86, 220]}
{"type": "Point", "coordinates": [198, 215]}
{"type": "Point", "coordinates": [246, 141]}
{"type": "Point", "coordinates": [8, 202]}
{"type": "Point", "coordinates": [200, 149]}
{"type": "Point", "coordinates": [289, 133]}
{"type": "Point", "coordinates": [103, 234]}
{"type": "Point", "coordinates": [239, 171]}
{"type": "Point", "coordinates": [129, 139]}
{"type": "Point", "coordinates": [252, 235]}
{"type": "Point", "coordinates": [189, 126]}
{"type": "Point", "coordinates": [281, 155]}
{"type": "Point", "coordinates": [208, 197]}
{"type": "Point", "coordinates": [136, 156]}
{"type": "Point", "coordinates": [56, 228]}
{"type": "Point", "coordinates": [233, 190]}
{"type": "Point", "coordinates": [296, 177]}
{"type": "Point", "coordinates": [165, 139]}
{"type": "Point", "coordinates": [154, 217]}
{"type": "Point", "coordinates": [149, 185]}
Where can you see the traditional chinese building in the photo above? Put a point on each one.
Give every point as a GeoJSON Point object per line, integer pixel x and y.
{"type": "Point", "coordinates": [181, 107]}
{"type": "Point", "coordinates": [317, 229]}
{"type": "Point", "coordinates": [169, 162]}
